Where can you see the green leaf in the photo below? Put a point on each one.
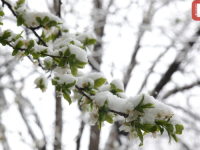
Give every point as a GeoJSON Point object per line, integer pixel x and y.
{"type": "Point", "coordinates": [62, 62]}
{"type": "Point", "coordinates": [79, 64]}
{"type": "Point", "coordinates": [73, 68]}
{"type": "Point", "coordinates": [141, 101]}
{"type": "Point", "coordinates": [6, 35]}
{"type": "Point", "coordinates": [1, 13]}
{"type": "Point", "coordinates": [60, 53]}
{"type": "Point", "coordinates": [170, 128]}
{"type": "Point", "coordinates": [46, 19]}
{"type": "Point", "coordinates": [39, 20]}
{"type": "Point", "coordinates": [57, 78]}
{"type": "Point", "coordinates": [148, 127]}
{"type": "Point", "coordinates": [179, 128]}
{"type": "Point", "coordinates": [54, 82]}
{"type": "Point", "coordinates": [72, 42]}
{"type": "Point", "coordinates": [161, 122]}
{"type": "Point", "coordinates": [89, 41]}
{"type": "Point", "coordinates": [20, 2]}
{"type": "Point", "coordinates": [70, 84]}
{"type": "Point", "coordinates": [161, 129]}
{"type": "Point", "coordinates": [72, 58]}
{"type": "Point", "coordinates": [108, 118]}
{"type": "Point", "coordinates": [15, 51]}
{"type": "Point", "coordinates": [31, 44]}
{"type": "Point", "coordinates": [20, 20]}
{"type": "Point", "coordinates": [67, 53]}
{"type": "Point", "coordinates": [18, 36]}
{"type": "Point", "coordinates": [52, 23]}
{"type": "Point", "coordinates": [67, 97]}
{"type": "Point", "coordinates": [174, 137]}
{"type": "Point", "coordinates": [19, 44]}
{"type": "Point", "coordinates": [118, 90]}
{"type": "Point", "coordinates": [58, 88]}
{"type": "Point", "coordinates": [99, 82]}
{"type": "Point", "coordinates": [140, 136]}
{"type": "Point", "coordinates": [112, 86]}
{"type": "Point", "coordinates": [148, 105]}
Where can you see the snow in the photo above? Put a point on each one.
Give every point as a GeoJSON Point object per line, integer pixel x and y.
{"type": "Point", "coordinates": [30, 17]}
{"type": "Point", "coordinates": [42, 85]}
{"type": "Point", "coordinates": [118, 84]}
{"type": "Point", "coordinates": [65, 78]}
{"type": "Point", "coordinates": [82, 81]}
{"type": "Point", "coordinates": [79, 52]}
{"type": "Point", "coordinates": [66, 42]}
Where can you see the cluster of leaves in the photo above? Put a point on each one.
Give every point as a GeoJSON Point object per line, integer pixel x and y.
{"type": "Point", "coordinates": [47, 23]}
{"type": "Point", "coordinates": [4, 38]}
{"type": "Point", "coordinates": [1, 15]}
{"type": "Point", "coordinates": [68, 58]}
{"type": "Point", "coordinates": [88, 42]}
{"type": "Point", "coordinates": [64, 88]}
{"type": "Point", "coordinates": [114, 89]}
{"type": "Point", "coordinates": [142, 106]}
{"type": "Point", "coordinates": [163, 124]}
{"type": "Point", "coordinates": [52, 37]}
{"type": "Point", "coordinates": [104, 115]}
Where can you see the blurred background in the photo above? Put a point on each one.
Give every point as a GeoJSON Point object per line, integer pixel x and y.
{"type": "Point", "coordinates": [151, 45]}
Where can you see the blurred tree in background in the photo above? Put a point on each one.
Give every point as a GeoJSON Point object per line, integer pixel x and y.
{"type": "Point", "coordinates": [151, 45]}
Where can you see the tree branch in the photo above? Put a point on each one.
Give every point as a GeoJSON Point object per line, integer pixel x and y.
{"type": "Point", "coordinates": [180, 89]}
{"type": "Point", "coordinates": [113, 111]}
{"type": "Point", "coordinates": [31, 28]}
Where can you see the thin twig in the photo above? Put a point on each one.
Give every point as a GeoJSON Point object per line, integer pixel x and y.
{"type": "Point", "coordinates": [83, 93]}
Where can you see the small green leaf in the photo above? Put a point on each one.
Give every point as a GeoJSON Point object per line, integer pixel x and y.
{"type": "Point", "coordinates": [72, 42]}
{"type": "Point", "coordinates": [31, 44]}
{"type": "Point", "coordinates": [108, 118]}
{"type": "Point", "coordinates": [99, 82]}
{"type": "Point", "coordinates": [72, 58]}
{"type": "Point", "coordinates": [57, 78]}
{"type": "Point", "coordinates": [20, 20]}
{"type": "Point", "coordinates": [39, 20]}
{"type": "Point", "coordinates": [89, 41]}
{"type": "Point", "coordinates": [19, 44]}
{"type": "Point", "coordinates": [15, 51]}
{"type": "Point", "coordinates": [54, 82]}
{"type": "Point", "coordinates": [179, 128]}
{"type": "Point", "coordinates": [174, 137]}
{"type": "Point", "coordinates": [6, 35]}
{"type": "Point", "coordinates": [170, 128]}
{"type": "Point", "coordinates": [62, 62]}
{"type": "Point", "coordinates": [80, 64]}
{"type": "Point", "coordinates": [58, 88]}
{"type": "Point", "coordinates": [148, 105]}
{"type": "Point", "coordinates": [141, 101]}
{"type": "Point", "coordinates": [67, 53]}
{"type": "Point", "coordinates": [70, 84]}
{"type": "Point", "coordinates": [60, 53]}
{"type": "Point", "coordinates": [46, 19]}
{"type": "Point", "coordinates": [67, 97]}
{"type": "Point", "coordinates": [148, 127]}
{"type": "Point", "coordinates": [118, 90]}
{"type": "Point", "coordinates": [73, 68]}
{"type": "Point", "coordinates": [140, 136]}
{"type": "Point", "coordinates": [52, 23]}
{"type": "Point", "coordinates": [161, 122]}
{"type": "Point", "coordinates": [112, 86]}
{"type": "Point", "coordinates": [1, 13]}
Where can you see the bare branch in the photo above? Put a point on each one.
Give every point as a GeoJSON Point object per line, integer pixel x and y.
{"type": "Point", "coordinates": [180, 89]}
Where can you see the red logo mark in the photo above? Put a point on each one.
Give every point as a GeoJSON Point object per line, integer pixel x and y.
{"type": "Point", "coordinates": [196, 10]}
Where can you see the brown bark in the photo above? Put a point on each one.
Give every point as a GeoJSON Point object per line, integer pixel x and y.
{"type": "Point", "coordinates": [94, 138]}
{"type": "Point", "coordinates": [58, 124]}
